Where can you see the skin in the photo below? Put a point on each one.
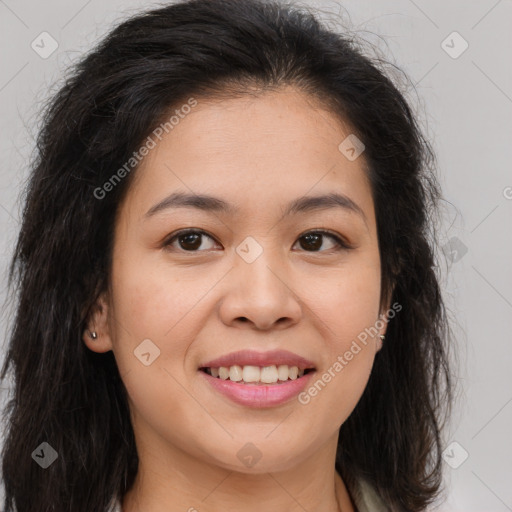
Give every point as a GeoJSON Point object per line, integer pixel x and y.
{"type": "Point", "coordinates": [258, 154]}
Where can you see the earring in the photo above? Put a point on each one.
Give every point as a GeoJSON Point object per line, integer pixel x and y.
{"type": "Point", "coordinates": [382, 336]}
{"type": "Point", "coordinates": [93, 335]}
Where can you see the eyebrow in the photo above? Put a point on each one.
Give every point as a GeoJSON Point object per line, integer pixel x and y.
{"type": "Point", "coordinates": [214, 204]}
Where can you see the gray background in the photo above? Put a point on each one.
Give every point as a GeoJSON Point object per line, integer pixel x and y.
{"type": "Point", "coordinates": [464, 102]}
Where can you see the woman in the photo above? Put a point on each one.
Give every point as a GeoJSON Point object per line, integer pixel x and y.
{"type": "Point", "coordinates": [226, 278]}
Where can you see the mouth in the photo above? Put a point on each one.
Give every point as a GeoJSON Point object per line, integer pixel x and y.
{"type": "Point", "coordinates": [258, 375]}
{"type": "Point", "coordinates": [258, 379]}
{"type": "Point", "coordinates": [258, 386]}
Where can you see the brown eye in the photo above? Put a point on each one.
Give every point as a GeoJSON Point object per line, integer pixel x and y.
{"type": "Point", "coordinates": [188, 240]}
{"type": "Point", "coordinates": [312, 241]}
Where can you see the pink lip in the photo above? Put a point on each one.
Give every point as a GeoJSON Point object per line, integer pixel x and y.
{"type": "Point", "coordinates": [251, 357]}
{"type": "Point", "coordinates": [254, 395]}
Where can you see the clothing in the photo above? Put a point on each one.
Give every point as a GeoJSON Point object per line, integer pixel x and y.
{"type": "Point", "coordinates": [365, 498]}
{"type": "Point", "coordinates": [363, 495]}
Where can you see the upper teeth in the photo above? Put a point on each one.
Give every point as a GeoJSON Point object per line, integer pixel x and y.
{"type": "Point", "coordinates": [265, 374]}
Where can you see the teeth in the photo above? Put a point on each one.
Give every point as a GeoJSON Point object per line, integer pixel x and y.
{"type": "Point", "coordinates": [235, 373]}
{"type": "Point", "coordinates": [269, 374]}
{"type": "Point", "coordinates": [251, 374]}
{"type": "Point", "coordinates": [282, 372]}
{"type": "Point", "coordinates": [254, 374]}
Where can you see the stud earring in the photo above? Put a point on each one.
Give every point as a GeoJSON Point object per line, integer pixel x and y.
{"type": "Point", "coordinates": [93, 335]}
{"type": "Point", "coordinates": [382, 336]}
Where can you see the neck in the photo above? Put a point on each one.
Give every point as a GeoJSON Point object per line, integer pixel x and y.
{"type": "Point", "coordinates": [191, 484]}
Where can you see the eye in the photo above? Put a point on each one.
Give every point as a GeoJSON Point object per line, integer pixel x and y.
{"type": "Point", "coordinates": [313, 241]}
{"type": "Point", "coordinates": [189, 240]}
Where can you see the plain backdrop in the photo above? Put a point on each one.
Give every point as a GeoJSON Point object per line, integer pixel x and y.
{"type": "Point", "coordinates": [457, 57]}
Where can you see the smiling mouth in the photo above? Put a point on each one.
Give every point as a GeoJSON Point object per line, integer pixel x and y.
{"type": "Point", "coordinates": [257, 375]}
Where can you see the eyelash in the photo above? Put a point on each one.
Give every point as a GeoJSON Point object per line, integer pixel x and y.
{"type": "Point", "coordinates": [342, 245]}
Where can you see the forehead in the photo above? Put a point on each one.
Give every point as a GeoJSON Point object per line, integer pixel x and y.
{"type": "Point", "coordinates": [266, 149]}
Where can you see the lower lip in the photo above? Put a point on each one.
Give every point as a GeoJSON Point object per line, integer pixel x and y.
{"type": "Point", "coordinates": [252, 395]}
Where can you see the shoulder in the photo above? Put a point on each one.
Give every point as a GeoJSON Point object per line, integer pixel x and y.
{"type": "Point", "coordinates": [366, 498]}
{"type": "Point", "coordinates": [115, 505]}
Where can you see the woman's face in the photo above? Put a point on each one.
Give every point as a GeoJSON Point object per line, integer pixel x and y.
{"type": "Point", "coordinates": [248, 278]}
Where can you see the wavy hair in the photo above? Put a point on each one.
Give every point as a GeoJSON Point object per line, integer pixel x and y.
{"type": "Point", "coordinates": [110, 101]}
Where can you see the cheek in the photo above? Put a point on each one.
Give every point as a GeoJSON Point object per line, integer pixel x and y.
{"type": "Point", "coordinates": [159, 403]}
{"type": "Point", "coordinates": [166, 307]}
{"type": "Point", "coordinates": [335, 391]}
{"type": "Point", "coordinates": [346, 300]}
{"type": "Point", "coordinates": [150, 299]}
{"type": "Point", "coordinates": [346, 308]}
{"type": "Point", "coordinates": [153, 304]}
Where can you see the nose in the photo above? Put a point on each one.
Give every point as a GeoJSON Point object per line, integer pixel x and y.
{"type": "Point", "coordinates": [260, 296]}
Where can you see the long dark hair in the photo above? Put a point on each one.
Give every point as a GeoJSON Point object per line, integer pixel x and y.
{"type": "Point", "coordinates": [73, 398]}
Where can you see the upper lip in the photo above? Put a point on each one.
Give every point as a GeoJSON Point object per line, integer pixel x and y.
{"type": "Point", "coordinates": [254, 358]}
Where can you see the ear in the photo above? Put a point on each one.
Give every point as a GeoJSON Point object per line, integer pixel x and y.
{"type": "Point", "coordinates": [98, 323]}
